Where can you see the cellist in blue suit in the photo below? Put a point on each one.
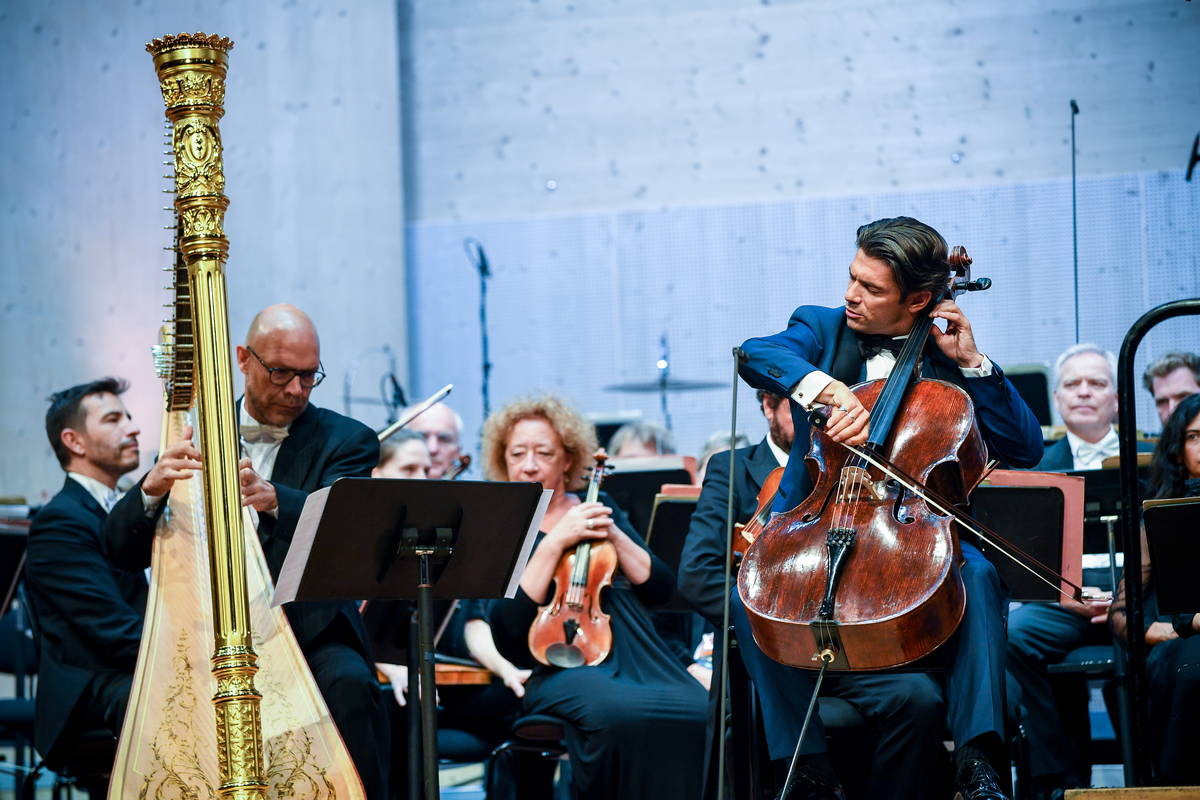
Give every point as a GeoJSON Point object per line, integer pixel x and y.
{"type": "Point", "coordinates": [898, 266]}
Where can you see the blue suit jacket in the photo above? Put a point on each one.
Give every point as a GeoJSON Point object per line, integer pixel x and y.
{"type": "Point", "coordinates": [817, 338]}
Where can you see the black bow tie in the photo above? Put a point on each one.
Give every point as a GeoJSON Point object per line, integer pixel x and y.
{"type": "Point", "coordinates": [872, 344]}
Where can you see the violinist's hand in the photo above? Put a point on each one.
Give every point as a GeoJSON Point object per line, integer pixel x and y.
{"type": "Point", "coordinates": [847, 417]}
{"type": "Point", "coordinates": [584, 521]}
{"type": "Point", "coordinates": [957, 341]}
{"type": "Point", "coordinates": [397, 675]}
{"type": "Point", "coordinates": [177, 463]}
{"type": "Point", "coordinates": [256, 491]}
{"type": "Point", "coordinates": [515, 678]}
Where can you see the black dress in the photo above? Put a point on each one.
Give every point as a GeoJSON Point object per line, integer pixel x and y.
{"type": "Point", "coordinates": [635, 723]}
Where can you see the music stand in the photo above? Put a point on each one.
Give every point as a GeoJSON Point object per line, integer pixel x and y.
{"type": "Point", "coordinates": [1171, 527]}
{"type": "Point", "coordinates": [1042, 512]}
{"type": "Point", "coordinates": [420, 539]}
{"type": "Point", "coordinates": [669, 522]}
{"type": "Point", "coordinates": [634, 482]}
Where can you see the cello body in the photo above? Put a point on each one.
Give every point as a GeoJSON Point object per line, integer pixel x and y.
{"type": "Point", "coordinates": [897, 593]}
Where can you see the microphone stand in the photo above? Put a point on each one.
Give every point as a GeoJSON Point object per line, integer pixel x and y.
{"type": "Point", "coordinates": [1074, 218]}
{"type": "Point", "coordinates": [664, 374]}
{"type": "Point", "coordinates": [479, 261]}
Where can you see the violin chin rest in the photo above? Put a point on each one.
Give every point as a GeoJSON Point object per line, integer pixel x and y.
{"type": "Point", "coordinates": [565, 656]}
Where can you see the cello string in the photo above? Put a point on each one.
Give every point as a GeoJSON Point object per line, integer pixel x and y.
{"type": "Point", "coordinates": [969, 524]}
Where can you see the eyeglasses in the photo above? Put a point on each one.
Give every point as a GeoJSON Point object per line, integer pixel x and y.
{"type": "Point", "coordinates": [282, 376]}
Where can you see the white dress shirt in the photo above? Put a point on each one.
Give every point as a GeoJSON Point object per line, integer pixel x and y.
{"type": "Point", "coordinates": [1087, 455]}
{"type": "Point", "coordinates": [879, 366]}
{"type": "Point", "coordinates": [106, 497]}
{"type": "Point", "coordinates": [777, 451]}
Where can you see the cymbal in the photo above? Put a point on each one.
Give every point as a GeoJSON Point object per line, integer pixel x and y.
{"type": "Point", "coordinates": [669, 385]}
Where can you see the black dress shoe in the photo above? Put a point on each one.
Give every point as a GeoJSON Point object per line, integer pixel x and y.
{"type": "Point", "coordinates": [978, 781]}
{"type": "Point", "coordinates": [809, 786]}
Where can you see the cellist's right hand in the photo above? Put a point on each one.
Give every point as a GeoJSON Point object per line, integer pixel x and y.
{"type": "Point", "coordinates": [847, 416]}
{"type": "Point", "coordinates": [584, 521]}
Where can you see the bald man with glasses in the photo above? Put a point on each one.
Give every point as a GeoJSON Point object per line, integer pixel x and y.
{"type": "Point", "coordinates": [290, 448]}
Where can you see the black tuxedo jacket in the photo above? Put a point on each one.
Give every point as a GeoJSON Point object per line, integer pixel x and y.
{"type": "Point", "coordinates": [702, 561]}
{"type": "Point", "coordinates": [321, 447]}
{"type": "Point", "coordinates": [88, 611]}
{"type": "Point", "coordinates": [1058, 455]}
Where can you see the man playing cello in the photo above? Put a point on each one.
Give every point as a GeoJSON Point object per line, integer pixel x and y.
{"type": "Point", "coordinates": [899, 266]}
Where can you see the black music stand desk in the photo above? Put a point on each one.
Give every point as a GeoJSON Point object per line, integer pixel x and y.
{"type": "Point", "coordinates": [369, 539]}
{"type": "Point", "coordinates": [1171, 536]}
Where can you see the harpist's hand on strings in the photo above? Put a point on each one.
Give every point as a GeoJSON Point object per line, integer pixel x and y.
{"type": "Point", "coordinates": [256, 491]}
{"type": "Point", "coordinates": [957, 341]}
{"type": "Point", "coordinates": [177, 463]}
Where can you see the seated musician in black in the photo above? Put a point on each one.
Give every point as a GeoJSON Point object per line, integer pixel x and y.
{"type": "Point", "coordinates": [1173, 663]}
{"type": "Point", "coordinates": [904, 711]}
{"type": "Point", "coordinates": [1040, 634]}
{"type": "Point", "coordinates": [88, 610]}
{"type": "Point", "coordinates": [635, 722]}
{"type": "Point", "coordinates": [301, 448]}
{"type": "Point", "coordinates": [898, 266]}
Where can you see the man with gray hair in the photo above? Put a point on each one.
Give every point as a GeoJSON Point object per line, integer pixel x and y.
{"type": "Point", "coordinates": [1040, 634]}
{"type": "Point", "coordinates": [442, 428]}
{"type": "Point", "coordinates": [1170, 379]}
{"type": "Point", "coordinates": [1085, 394]}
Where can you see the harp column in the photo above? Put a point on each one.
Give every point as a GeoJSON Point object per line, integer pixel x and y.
{"type": "Point", "coordinates": [191, 71]}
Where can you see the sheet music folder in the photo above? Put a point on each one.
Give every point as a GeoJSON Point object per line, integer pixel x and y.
{"type": "Point", "coordinates": [1171, 527]}
{"type": "Point", "coordinates": [346, 542]}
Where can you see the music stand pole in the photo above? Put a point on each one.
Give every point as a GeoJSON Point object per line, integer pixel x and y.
{"type": "Point", "coordinates": [426, 554]}
{"type": "Point", "coordinates": [414, 708]}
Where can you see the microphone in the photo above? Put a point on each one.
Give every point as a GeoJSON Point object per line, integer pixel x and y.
{"type": "Point", "coordinates": [398, 398]}
{"type": "Point", "coordinates": [478, 256]}
{"type": "Point", "coordinates": [1074, 107]}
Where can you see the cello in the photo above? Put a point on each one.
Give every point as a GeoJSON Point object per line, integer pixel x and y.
{"type": "Point", "coordinates": [571, 630]}
{"type": "Point", "coordinates": [864, 574]}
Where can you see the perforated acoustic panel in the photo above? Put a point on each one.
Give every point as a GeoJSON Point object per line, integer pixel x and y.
{"type": "Point", "coordinates": [580, 303]}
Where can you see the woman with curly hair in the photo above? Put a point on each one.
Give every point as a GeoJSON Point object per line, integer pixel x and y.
{"type": "Point", "coordinates": [635, 722]}
{"type": "Point", "coordinates": [1173, 663]}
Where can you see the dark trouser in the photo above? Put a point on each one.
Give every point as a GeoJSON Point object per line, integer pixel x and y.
{"type": "Point", "coordinates": [1173, 670]}
{"type": "Point", "coordinates": [1040, 634]}
{"type": "Point", "coordinates": [347, 682]}
{"type": "Point", "coordinates": [101, 706]}
{"type": "Point", "coordinates": [973, 659]}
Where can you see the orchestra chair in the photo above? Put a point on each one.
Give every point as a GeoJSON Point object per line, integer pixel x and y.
{"type": "Point", "coordinates": [84, 762]}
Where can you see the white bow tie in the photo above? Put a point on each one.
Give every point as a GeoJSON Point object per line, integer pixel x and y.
{"type": "Point", "coordinates": [1089, 452]}
{"type": "Point", "coordinates": [263, 433]}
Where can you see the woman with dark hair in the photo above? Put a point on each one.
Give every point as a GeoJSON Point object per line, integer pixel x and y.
{"type": "Point", "coordinates": [1173, 663]}
{"type": "Point", "coordinates": [635, 722]}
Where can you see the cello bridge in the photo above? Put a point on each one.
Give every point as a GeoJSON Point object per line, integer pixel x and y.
{"type": "Point", "coordinates": [857, 485]}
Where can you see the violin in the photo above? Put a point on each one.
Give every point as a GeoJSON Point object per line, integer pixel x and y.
{"type": "Point", "coordinates": [864, 573]}
{"type": "Point", "coordinates": [745, 533]}
{"type": "Point", "coordinates": [572, 630]}
{"type": "Point", "coordinates": [458, 467]}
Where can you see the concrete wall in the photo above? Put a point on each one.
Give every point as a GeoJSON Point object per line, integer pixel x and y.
{"type": "Point", "coordinates": [697, 168]}
{"type": "Point", "coordinates": [313, 172]}
{"type": "Point", "coordinates": [695, 102]}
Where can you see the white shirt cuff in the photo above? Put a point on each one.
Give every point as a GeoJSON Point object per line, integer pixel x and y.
{"type": "Point", "coordinates": [150, 504]}
{"type": "Point", "coordinates": [805, 392]}
{"type": "Point", "coordinates": [982, 371]}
